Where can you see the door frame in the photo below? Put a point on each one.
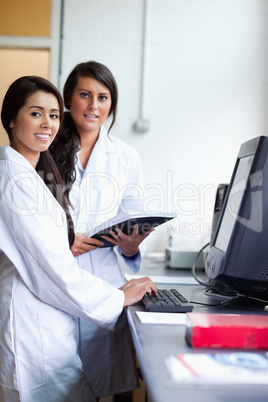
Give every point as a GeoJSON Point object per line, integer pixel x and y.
{"type": "Point", "coordinates": [52, 43]}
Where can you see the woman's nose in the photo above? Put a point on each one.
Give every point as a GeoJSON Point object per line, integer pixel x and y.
{"type": "Point", "coordinates": [92, 104]}
{"type": "Point", "coordinates": [46, 122]}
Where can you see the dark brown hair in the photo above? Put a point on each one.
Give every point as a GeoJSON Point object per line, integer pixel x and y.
{"type": "Point", "coordinates": [67, 143]}
{"type": "Point", "coordinates": [99, 72]}
{"type": "Point", "coordinates": [15, 98]}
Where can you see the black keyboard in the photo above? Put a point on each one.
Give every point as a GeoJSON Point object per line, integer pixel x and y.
{"type": "Point", "coordinates": [167, 301]}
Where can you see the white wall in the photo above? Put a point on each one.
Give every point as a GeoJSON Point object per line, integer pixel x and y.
{"type": "Point", "coordinates": [205, 92]}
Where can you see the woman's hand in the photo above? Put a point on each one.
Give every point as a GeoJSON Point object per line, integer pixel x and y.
{"type": "Point", "coordinates": [135, 289]}
{"type": "Point", "coordinates": [82, 244]}
{"type": "Point", "coordinates": [129, 244]}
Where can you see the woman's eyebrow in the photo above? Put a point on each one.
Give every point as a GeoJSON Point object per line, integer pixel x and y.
{"type": "Point", "coordinates": [41, 108]}
{"type": "Point", "coordinates": [35, 107]}
{"type": "Point", "coordinates": [87, 90]}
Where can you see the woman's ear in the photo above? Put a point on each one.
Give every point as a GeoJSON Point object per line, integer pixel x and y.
{"type": "Point", "coordinates": [11, 124]}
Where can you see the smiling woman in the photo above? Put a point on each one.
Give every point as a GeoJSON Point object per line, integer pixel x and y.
{"type": "Point", "coordinates": [34, 97]}
{"type": "Point", "coordinates": [42, 289]}
{"type": "Point", "coordinates": [35, 126]}
{"type": "Point", "coordinates": [102, 176]}
{"type": "Point", "coordinates": [32, 114]}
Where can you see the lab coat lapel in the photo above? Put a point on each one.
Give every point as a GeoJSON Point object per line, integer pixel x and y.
{"type": "Point", "coordinates": [101, 153]}
{"type": "Point", "coordinates": [98, 186]}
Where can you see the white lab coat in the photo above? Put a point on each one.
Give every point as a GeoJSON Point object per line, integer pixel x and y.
{"type": "Point", "coordinates": [42, 292]}
{"type": "Point", "coordinates": [112, 182]}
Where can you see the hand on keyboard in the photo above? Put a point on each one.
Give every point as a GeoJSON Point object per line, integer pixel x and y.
{"type": "Point", "coordinates": [135, 289]}
{"type": "Point", "coordinates": [170, 301]}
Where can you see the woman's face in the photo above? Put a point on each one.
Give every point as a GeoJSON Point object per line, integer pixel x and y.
{"type": "Point", "coordinates": [90, 105]}
{"type": "Point", "coordinates": [36, 125]}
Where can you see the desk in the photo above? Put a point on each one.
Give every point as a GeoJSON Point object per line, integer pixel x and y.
{"type": "Point", "coordinates": [155, 343]}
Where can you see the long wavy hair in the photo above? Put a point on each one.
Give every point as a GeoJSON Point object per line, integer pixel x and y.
{"type": "Point", "coordinates": [15, 98]}
{"type": "Point", "coordinates": [67, 143]}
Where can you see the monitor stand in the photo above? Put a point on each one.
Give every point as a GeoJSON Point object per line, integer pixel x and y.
{"type": "Point", "coordinates": [231, 299]}
{"type": "Point", "coordinates": [221, 290]}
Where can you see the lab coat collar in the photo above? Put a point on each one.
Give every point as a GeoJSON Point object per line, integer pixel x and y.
{"type": "Point", "coordinates": [106, 142]}
{"type": "Point", "coordinates": [101, 151]}
{"type": "Point", "coordinates": [8, 153]}
{"type": "Point", "coordinates": [100, 154]}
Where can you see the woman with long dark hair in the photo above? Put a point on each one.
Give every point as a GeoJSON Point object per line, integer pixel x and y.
{"type": "Point", "coordinates": [42, 290]}
{"type": "Point", "coordinates": [102, 176]}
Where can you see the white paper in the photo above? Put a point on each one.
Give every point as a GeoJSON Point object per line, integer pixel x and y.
{"type": "Point", "coordinates": [230, 368]}
{"type": "Point", "coordinates": [177, 280]}
{"type": "Point", "coordinates": [161, 318]}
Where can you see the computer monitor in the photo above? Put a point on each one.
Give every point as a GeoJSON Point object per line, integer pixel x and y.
{"type": "Point", "coordinates": [238, 256]}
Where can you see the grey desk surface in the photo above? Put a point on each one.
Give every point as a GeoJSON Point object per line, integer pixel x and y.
{"type": "Point", "coordinates": [154, 343]}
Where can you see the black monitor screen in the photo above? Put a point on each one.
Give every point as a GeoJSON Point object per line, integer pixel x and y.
{"type": "Point", "coordinates": [234, 202]}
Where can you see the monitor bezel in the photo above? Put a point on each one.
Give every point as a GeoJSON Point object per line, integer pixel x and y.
{"type": "Point", "coordinates": [223, 266]}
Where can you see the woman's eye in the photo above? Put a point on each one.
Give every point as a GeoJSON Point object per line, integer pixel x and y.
{"type": "Point", "coordinates": [35, 114]}
{"type": "Point", "coordinates": [103, 98]}
{"type": "Point", "coordinates": [54, 116]}
{"type": "Point", "coordinates": [84, 95]}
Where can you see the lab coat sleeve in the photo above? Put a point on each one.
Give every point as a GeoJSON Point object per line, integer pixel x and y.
{"type": "Point", "coordinates": [35, 240]}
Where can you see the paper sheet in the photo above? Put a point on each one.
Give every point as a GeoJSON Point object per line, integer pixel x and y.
{"type": "Point", "coordinates": [219, 368]}
{"type": "Point", "coordinates": [161, 318]}
{"type": "Point", "coordinates": [177, 280]}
